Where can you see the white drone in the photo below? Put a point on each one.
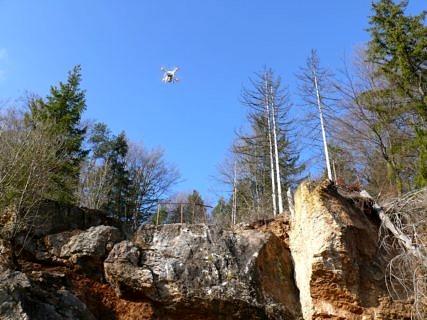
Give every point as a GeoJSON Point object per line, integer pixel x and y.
{"type": "Point", "coordinates": [169, 75]}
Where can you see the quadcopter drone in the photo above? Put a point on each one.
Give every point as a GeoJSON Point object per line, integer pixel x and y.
{"type": "Point", "coordinates": [169, 75]}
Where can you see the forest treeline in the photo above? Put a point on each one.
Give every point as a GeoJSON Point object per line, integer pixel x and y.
{"type": "Point", "coordinates": [48, 152]}
{"type": "Point", "coordinates": [373, 111]}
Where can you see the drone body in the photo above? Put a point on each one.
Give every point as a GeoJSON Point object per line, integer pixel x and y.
{"type": "Point", "coordinates": [169, 75]}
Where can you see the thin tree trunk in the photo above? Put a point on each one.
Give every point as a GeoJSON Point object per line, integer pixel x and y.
{"type": "Point", "coordinates": [257, 203]}
{"type": "Point", "coordinates": [158, 213]}
{"type": "Point", "coordinates": [234, 209]}
{"type": "Point", "coordinates": [273, 187]}
{"type": "Point", "coordinates": [276, 154]}
{"type": "Point", "coordinates": [335, 171]}
{"type": "Point", "coordinates": [322, 125]}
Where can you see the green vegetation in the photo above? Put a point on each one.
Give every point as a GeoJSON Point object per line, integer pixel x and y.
{"type": "Point", "coordinates": [251, 169]}
{"type": "Point", "coordinates": [398, 51]}
{"type": "Point", "coordinates": [63, 108]}
{"type": "Point", "coordinates": [43, 156]}
{"type": "Point", "coordinates": [375, 120]}
{"type": "Point", "coordinates": [375, 115]}
{"type": "Point", "coordinates": [29, 159]}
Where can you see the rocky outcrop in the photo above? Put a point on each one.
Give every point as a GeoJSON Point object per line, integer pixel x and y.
{"type": "Point", "coordinates": [124, 272]}
{"type": "Point", "coordinates": [88, 249]}
{"type": "Point", "coordinates": [49, 248]}
{"type": "Point", "coordinates": [50, 225]}
{"type": "Point", "coordinates": [339, 268]}
{"type": "Point", "coordinates": [85, 250]}
{"type": "Point", "coordinates": [322, 263]}
{"type": "Point", "coordinates": [197, 268]}
{"type": "Point", "coordinates": [23, 299]}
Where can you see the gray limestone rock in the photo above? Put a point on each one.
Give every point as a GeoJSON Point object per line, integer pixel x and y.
{"type": "Point", "coordinates": [207, 268]}
{"type": "Point", "coordinates": [93, 242]}
{"type": "Point", "coordinates": [88, 249]}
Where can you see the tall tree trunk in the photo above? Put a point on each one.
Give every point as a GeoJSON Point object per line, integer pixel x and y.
{"type": "Point", "coordinates": [234, 209]}
{"type": "Point", "coordinates": [276, 154]}
{"type": "Point", "coordinates": [322, 125]}
{"type": "Point", "coordinates": [268, 115]}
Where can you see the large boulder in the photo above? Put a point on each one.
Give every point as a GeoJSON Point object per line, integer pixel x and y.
{"type": "Point", "coordinates": [199, 268]}
{"type": "Point", "coordinates": [88, 249]}
{"type": "Point", "coordinates": [339, 268]}
{"type": "Point", "coordinates": [49, 225]}
{"type": "Point", "coordinates": [84, 249]}
{"type": "Point", "coordinates": [95, 242]}
{"type": "Point", "coordinates": [49, 248]}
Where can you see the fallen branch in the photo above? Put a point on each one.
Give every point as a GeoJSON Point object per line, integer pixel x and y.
{"type": "Point", "coordinates": [405, 222]}
{"type": "Point", "coordinates": [405, 240]}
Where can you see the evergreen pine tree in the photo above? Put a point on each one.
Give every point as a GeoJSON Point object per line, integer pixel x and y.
{"type": "Point", "coordinates": [254, 150]}
{"type": "Point", "coordinates": [398, 47]}
{"type": "Point", "coordinates": [64, 107]}
{"type": "Point", "coordinates": [108, 154]}
{"type": "Point", "coordinates": [100, 139]}
{"type": "Point", "coordinates": [119, 179]}
{"type": "Point", "coordinates": [221, 213]}
{"type": "Point", "coordinates": [194, 211]}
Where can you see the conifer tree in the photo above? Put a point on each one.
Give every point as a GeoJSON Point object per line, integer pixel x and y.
{"type": "Point", "coordinates": [398, 48]}
{"type": "Point", "coordinates": [64, 107]}
{"type": "Point", "coordinates": [119, 178]}
{"type": "Point", "coordinates": [104, 179]}
{"type": "Point", "coordinates": [195, 210]}
{"type": "Point", "coordinates": [221, 213]}
{"type": "Point", "coordinates": [265, 156]}
{"type": "Point", "coordinates": [315, 90]}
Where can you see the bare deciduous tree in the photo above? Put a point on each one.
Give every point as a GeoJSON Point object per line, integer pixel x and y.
{"type": "Point", "coordinates": [151, 178]}
{"type": "Point", "coordinates": [94, 187]}
{"type": "Point", "coordinates": [28, 159]}
{"type": "Point", "coordinates": [374, 139]}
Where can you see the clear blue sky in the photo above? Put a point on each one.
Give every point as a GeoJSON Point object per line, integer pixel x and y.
{"type": "Point", "coordinates": [121, 46]}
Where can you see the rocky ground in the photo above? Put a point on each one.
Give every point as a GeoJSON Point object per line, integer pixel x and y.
{"type": "Point", "coordinates": [322, 263]}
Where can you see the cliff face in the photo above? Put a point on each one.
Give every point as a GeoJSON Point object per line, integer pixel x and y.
{"type": "Point", "coordinates": [338, 264]}
{"type": "Point", "coordinates": [204, 272]}
{"type": "Point", "coordinates": [322, 263]}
